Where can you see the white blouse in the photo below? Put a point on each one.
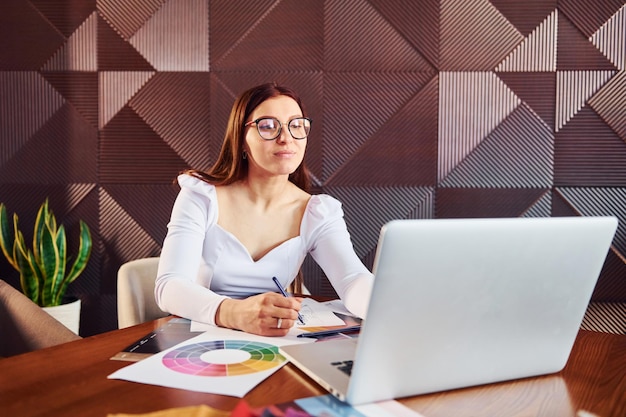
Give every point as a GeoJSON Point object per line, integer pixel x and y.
{"type": "Point", "coordinates": [201, 263]}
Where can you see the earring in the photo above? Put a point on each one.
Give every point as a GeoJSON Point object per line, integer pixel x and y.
{"type": "Point", "coordinates": [245, 155]}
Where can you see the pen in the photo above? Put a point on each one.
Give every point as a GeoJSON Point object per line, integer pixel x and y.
{"type": "Point", "coordinates": [282, 291]}
{"type": "Point", "coordinates": [330, 332]}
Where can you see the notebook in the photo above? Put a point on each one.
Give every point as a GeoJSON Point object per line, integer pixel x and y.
{"type": "Point", "coordinates": [464, 302]}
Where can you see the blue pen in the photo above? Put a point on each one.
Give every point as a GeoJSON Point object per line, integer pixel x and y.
{"type": "Point", "coordinates": [284, 293]}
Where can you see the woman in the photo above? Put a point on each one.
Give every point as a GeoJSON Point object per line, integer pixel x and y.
{"type": "Point", "coordinates": [249, 219]}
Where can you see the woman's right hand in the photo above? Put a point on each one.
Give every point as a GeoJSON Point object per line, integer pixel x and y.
{"type": "Point", "coordinates": [267, 314]}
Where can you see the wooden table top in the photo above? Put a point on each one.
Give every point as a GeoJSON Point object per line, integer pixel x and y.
{"type": "Point", "coordinates": [71, 380]}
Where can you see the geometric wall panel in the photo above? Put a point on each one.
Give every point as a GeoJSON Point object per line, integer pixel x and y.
{"type": "Point", "coordinates": [117, 226]}
{"type": "Point", "coordinates": [116, 89]}
{"type": "Point", "coordinates": [610, 39]}
{"type": "Point", "coordinates": [518, 153]}
{"type": "Point", "coordinates": [355, 110]}
{"type": "Point", "coordinates": [79, 52]}
{"type": "Point", "coordinates": [357, 36]}
{"type": "Point", "coordinates": [80, 89]}
{"type": "Point", "coordinates": [611, 285]}
{"type": "Point", "coordinates": [64, 150]}
{"type": "Point", "coordinates": [603, 102]}
{"type": "Point", "coordinates": [27, 38]}
{"type": "Point", "coordinates": [589, 16]}
{"type": "Point", "coordinates": [265, 44]}
{"type": "Point", "coordinates": [535, 89]}
{"type": "Point", "coordinates": [367, 208]}
{"type": "Point", "coordinates": [574, 88]}
{"type": "Point", "coordinates": [63, 17]}
{"type": "Point", "coordinates": [132, 152]}
{"type": "Point", "coordinates": [589, 153]}
{"type": "Point", "coordinates": [528, 15]}
{"type": "Point", "coordinates": [131, 199]}
{"type": "Point", "coordinates": [475, 36]}
{"type": "Point", "coordinates": [471, 105]}
{"type": "Point", "coordinates": [537, 52]}
{"type": "Point", "coordinates": [232, 21]}
{"type": "Point", "coordinates": [115, 53]}
{"type": "Point", "coordinates": [540, 208]}
{"type": "Point", "coordinates": [186, 47]}
{"type": "Point", "coordinates": [575, 50]}
{"type": "Point", "coordinates": [404, 148]}
{"type": "Point", "coordinates": [26, 103]}
{"type": "Point", "coordinates": [485, 202]}
{"type": "Point", "coordinates": [416, 21]}
{"type": "Point", "coordinates": [176, 106]}
{"type": "Point", "coordinates": [422, 109]}
{"type": "Point", "coordinates": [127, 17]}
{"type": "Point", "coordinates": [77, 87]}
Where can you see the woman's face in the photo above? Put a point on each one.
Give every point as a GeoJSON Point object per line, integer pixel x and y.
{"type": "Point", "coordinates": [280, 156]}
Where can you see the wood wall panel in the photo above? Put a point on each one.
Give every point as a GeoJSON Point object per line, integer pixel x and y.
{"type": "Point", "coordinates": [424, 109]}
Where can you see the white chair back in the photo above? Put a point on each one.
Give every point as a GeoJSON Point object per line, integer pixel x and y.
{"type": "Point", "coordinates": [135, 292]}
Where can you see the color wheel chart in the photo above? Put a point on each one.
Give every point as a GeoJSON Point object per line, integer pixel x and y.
{"type": "Point", "coordinates": [220, 358]}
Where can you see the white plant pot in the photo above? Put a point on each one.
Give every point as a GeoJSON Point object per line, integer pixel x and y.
{"type": "Point", "coordinates": [68, 314]}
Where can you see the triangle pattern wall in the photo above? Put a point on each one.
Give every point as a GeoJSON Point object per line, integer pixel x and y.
{"type": "Point", "coordinates": [425, 109]}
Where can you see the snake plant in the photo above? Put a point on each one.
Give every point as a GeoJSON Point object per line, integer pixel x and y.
{"type": "Point", "coordinates": [43, 276]}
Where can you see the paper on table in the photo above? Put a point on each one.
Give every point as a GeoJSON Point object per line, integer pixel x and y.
{"type": "Point", "coordinates": [220, 361]}
{"type": "Point", "coordinates": [314, 313]}
{"type": "Point", "coordinates": [318, 314]}
{"type": "Point", "coordinates": [338, 307]}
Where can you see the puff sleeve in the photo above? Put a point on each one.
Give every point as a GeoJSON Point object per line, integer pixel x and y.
{"type": "Point", "coordinates": [331, 247]}
{"type": "Point", "coordinates": [177, 290]}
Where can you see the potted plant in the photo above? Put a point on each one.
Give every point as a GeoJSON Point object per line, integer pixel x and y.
{"type": "Point", "coordinates": [44, 277]}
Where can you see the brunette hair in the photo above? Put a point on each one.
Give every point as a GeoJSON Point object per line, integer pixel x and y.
{"type": "Point", "coordinates": [231, 165]}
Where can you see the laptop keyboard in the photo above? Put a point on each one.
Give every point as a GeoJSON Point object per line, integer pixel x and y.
{"type": "Point", "coordinates": [344, 366]}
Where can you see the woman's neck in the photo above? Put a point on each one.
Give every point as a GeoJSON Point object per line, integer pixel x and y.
{"type": "Point", "coordinates": [266, 192]}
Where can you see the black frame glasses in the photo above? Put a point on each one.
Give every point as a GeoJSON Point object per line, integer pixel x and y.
{"type": "Point", "coordinates": [270, 128]}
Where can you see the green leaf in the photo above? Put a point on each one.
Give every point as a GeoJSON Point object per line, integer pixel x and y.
{"type": "Point", "coordinates": [7, 235]}
{"type": "Point", "coordinates": [40, 224]}
{"type": "Point", "coordinates": [29, 280]}
{"type": "Point", "coordinates": [60, 285]}
{"type": "Point", "coordinates": [50, 263]}
{"type": "Point", "coordinates": [84, 252]}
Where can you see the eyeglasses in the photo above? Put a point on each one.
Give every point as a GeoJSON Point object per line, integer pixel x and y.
{"type": "Point", "coordinates": [269, 128]}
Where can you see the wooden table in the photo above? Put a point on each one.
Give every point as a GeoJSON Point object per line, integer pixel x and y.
{"type": "Point", "coordinates": [71, 380]}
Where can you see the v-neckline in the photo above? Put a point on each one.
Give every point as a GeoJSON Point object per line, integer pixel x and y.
{"type": "Point", "coordinates": [243, 247]}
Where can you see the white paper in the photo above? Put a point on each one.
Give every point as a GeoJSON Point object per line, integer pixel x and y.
{"type": "Point", "coordinates": [338, 307]}
{"type": "Point", "coordinates": [220, 361]}
{"type": "Point", "coordinates": [316, 314]}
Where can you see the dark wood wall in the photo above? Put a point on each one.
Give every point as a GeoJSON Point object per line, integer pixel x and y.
{"type": "Point", "coordinates": [422, 109]}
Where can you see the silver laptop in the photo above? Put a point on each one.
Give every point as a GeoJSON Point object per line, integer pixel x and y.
{"type": "Point", "coordinates": [463, 302]}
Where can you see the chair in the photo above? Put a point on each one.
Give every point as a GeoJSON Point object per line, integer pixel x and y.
{"type": "Point", "coordinates": [135, 292]}
{"type": "Point", "coordinates": [25, 327]}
